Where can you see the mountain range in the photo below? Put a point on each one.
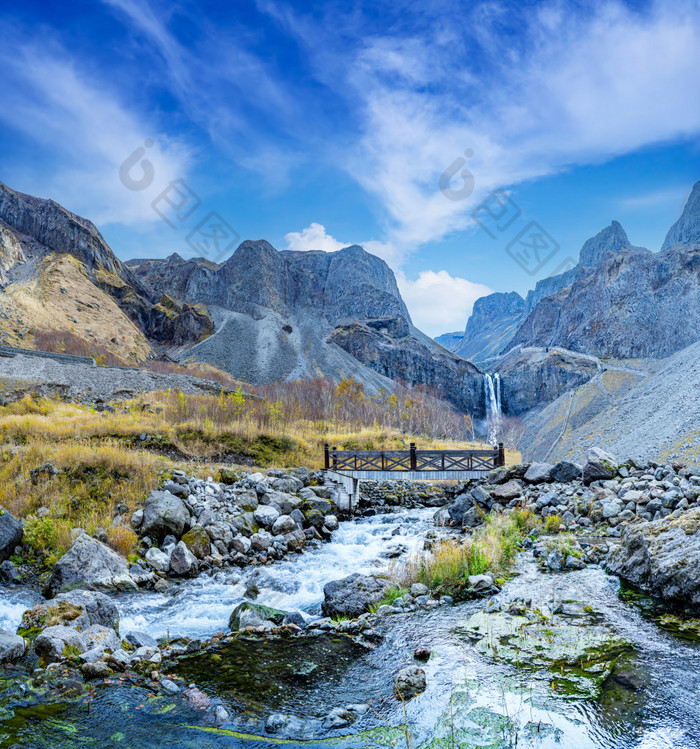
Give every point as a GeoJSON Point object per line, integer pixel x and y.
{"type": "Point", "coordinates": [266, 315]}
{"type": "Point", "coordinates": [620, 301]}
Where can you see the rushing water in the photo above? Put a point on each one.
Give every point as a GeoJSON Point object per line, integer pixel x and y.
{"type": "Point", "coordinates": [480, 700]}
{"type": "Point", "coordinates": [202, 606]}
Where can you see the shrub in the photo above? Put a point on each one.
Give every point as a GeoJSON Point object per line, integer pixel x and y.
{"type": "Point", "coordinates": [553, 524]}
{"type": "Point", "coordinates": [40, 533]}
{"type": "Point", "coordinates": [122, 539]}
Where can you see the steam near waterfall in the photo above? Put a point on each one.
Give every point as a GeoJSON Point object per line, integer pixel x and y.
{"type": "Point", "coordinates": [492, 392]}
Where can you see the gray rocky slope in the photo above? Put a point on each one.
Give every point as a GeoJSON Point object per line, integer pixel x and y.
{"type": "Point", "coordinates": [291, 315]}
{"type": "Point", "coordinates": [650, 409]}
{"type": "Point", "coordinates": [32, 229]}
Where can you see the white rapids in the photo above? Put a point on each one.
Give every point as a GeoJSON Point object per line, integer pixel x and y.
{"type": "Point", "coordinates": [201, 607]}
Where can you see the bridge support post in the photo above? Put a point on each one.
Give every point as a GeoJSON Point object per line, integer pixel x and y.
{"type": "Point", "coordinates": [326, 456]}
{"type": "Point", "coordinates": [501, 454]}
{"type": "Point", "coordinates": [412, 448]}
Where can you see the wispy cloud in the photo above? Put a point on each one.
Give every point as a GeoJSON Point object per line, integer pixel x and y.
{"type": "Point", "coordinates": [531, 89]}
{"type": "Point", "coordinates": [83, 131]}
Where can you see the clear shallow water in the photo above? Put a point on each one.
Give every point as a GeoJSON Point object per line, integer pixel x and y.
{"type": "Point", "coordinates": [13, 603]}
{"type": "Point", "coordinates": [487, 703]}
{"type": "Point", "coordinates": [201, 607]}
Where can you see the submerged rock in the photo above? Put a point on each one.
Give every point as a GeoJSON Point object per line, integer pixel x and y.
{"type": "Point", "coordinates": [353, 595]}
{"type": "Point", "coordinates": [409, 682]}
{"type": "Point", "coordinates": [91, 565]}
{"type": "Point", "coordinates": [662, 558]}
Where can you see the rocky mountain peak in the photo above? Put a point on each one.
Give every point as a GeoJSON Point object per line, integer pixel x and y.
{"type": "Point", "coordinates": [686, 231]}
{"type": "Point", "coordinates": [611, 239]}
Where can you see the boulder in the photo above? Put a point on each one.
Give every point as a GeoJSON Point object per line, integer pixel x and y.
{"type": "Point", "coordinates": [505, 492]}
{"type": "Point", "coordinates": [78, 609]}
{"type": "Point", "coordinates": [661, 558]}
{"type": "Point", "coordinates": [284, 524]}
{"type": "Point", "coordinates": [53, 644]}
{"type": "Point", "coordinates": [158, 560]}
{"type": "Point", "coordinates": [599, 466]}
{"type": "Point", "coordinates": [12, 647]}
{"type": "Point", "coordinates": [296, 540]}
{"type": "Point", "coordinates": [241, 544]}
{"type": "Point", "coordinates": [197, 541]}
{"type": "Point", "coordinates": [564, 472]}
{"type": "Point", "coordinates": [249, 614]}
{"type": "Point", "coordinates": [102, 638]}
{"type": "Point", "coordinates": [10, 534]}
{"type": "Point", "coordinates": [164, 514]}
{"type": "Point", "coordinates": [456, 509]}
{"type": "Point", "coordinates": [353, 595]}
{"type": "Point", "coordinates": [539, 473]}
{"type": "Point", "coordinates": [90, 565]}
{"type": "Point", "coordinates": [409, 682]}
{"type": "Point", "coordinates": [265, 516]}
{"type": "Point", "coordinates": [182, 561]}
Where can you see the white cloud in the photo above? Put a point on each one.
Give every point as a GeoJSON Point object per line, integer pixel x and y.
{"type": "Point", "coordinates": [439, 302]}
{"type": "Point", "coordinates": [314, 237]}
{"type": "Point", "coordinates": [85, 132]}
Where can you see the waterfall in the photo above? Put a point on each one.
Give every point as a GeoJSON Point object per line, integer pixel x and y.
{"type": "Point", "coordinates": [492, 391]}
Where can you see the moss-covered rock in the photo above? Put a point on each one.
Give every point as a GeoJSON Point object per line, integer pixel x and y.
{"type": "Point", "coordinates": [197, 541]}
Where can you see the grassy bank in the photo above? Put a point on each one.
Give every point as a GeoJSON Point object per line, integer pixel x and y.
{"type": "Point", "coordinates": [492, 548]}
{"type": "Point", "coordinates": [103, 459]}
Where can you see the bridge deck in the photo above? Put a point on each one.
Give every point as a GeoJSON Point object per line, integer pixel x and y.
{"type": "Point", "coordinates": [413, 464]}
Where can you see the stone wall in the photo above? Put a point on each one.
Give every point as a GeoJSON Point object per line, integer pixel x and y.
{"type": "Point", "coordinates": [406, 493]}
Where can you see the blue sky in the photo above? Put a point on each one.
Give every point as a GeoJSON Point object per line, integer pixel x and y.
{"type": "Point", "coordinates": [317, 125]}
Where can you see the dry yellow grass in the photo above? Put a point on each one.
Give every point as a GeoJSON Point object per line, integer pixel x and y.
{"type": "Point", "coordinates": [102, 461]}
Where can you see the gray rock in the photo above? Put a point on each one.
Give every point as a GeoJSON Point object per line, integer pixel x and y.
{"type": "Point", "coordinates": [261, 541]}
{"type": "Point", "coordinates": [248, 614]}
{"type": "Point", "coordinates": [141, 640]}
{"type": "Point", "coordinates": [91, 565]}
{"type": "Point", "coordinates": [241, 544]}
{"type": "Point", "coordinates": [564, 472]}
{"type": "Point", "coordinates": [158, 560]}
{"type": "Point", "coordinates": [600, 466]}
{"type": "Point", "coordinates": [418, 589]}
{"type": "Point", "coordinates": [661, 558]}
{"type": "Point", "coordinates": [409, 682]}
{"type": "Point", "coordinates": [353, 595]}
{"type": "Point", "coordinates": [10, 534]}
{"type": "Point", "coordinates": [164, 514]}
{"type": "Point", "coordinates": [104, 638]}
{"type": "Point", "coordinates": [539, 473]}
{"type": "Point", "coordinates": [169, 686]}
{"type": "Point", "coordinates": [12, 647]}
{"type": "Point", "coordinates": [265, 516]}
{"type": "Point", "coordinates": [182, 561]}
{"type": "Point", "coordinates": [9, 573]}
{"type": "Point", "coordinates": [296, 540]}
{"type": "Point", "coordinates": [78, 609]}
{"type": "Point", "coordinates": [51, 645]}
{"type": "Point", "coordinates": [96, 670]}
{"type": "Point", "coordinates": [554, 561]}
{"type": "Point", "coordinates": [283, 524]}
{"type": "Point", "coordinates": [331, 523]}
{"type": "Point", "coordinates": [505, 492]}
{"type": "Point", "coordinates": [611, 509]}
{"type": "Point", "coordinates": [480, 583]}
{"type": "Point", "coordinates": [340, 717]}
{"type": "Point", "coordinates": [137, 519]}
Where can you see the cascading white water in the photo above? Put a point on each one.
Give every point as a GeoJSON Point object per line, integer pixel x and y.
{"type": "Point", "coordinates": [494, 414]}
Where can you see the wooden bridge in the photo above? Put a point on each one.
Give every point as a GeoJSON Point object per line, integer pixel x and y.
{"type": "Point", "coordinates": [349, 467]}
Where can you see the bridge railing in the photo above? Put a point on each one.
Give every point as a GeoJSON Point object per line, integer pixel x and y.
{"type": "Point", "coordinates": [414, 460]}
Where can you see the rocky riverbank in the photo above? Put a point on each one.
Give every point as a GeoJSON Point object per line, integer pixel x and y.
{"type": "Point", "coordinates": [637, 518]}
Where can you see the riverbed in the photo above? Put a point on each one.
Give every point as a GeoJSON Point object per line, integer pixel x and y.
{"type": "Point", "coordinates": [642, 694]}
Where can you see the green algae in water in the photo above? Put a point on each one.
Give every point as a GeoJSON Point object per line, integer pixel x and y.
{"type": "Point", "coordinates": [579, 656]}
{"type": "Point", "coordinates": [263, 676]}
{"type": "Point", "coordinates": [374, 738]}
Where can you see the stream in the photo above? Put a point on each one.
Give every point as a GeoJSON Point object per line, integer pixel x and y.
{"type": "Point", "coordinates": [641, 694]}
